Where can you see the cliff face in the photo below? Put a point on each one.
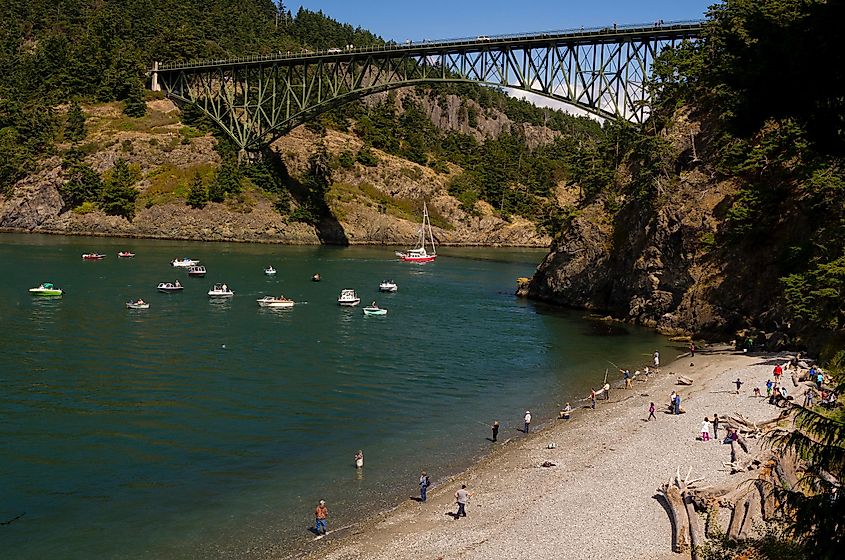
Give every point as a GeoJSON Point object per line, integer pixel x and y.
{"type": "Point", "coordinates": [370, 205]}
{"type": "Point", "coordinates": [656, 262]}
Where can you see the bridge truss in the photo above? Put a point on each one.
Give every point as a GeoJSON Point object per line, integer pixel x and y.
{"type": "Point", "coordinates": [257, 99]}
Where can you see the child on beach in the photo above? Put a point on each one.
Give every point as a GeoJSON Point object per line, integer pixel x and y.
{"type": "Point", "coordinates": [705, 429]}
{"type": "Point", "coordinates": [593, 398]}
{"type": "Point", "coordinates": [651, 412]}
{"type": "Point", "coordinates": [738, 384]}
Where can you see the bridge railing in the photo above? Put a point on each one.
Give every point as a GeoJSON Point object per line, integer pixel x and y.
{"type": "Point", "coordinates": [573, 33]}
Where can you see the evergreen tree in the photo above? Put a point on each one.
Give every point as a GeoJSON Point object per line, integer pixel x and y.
{"type": "Point", "coordinates": [198, 195]}
{"type": "Point", "coordinates": [75, 123]}
{"type": "Point", "coordinates": [83, 185]}
{"type": "Point", "coordinates": [118, 198]}
{"type": "Point", "coordinates": [135, 105]}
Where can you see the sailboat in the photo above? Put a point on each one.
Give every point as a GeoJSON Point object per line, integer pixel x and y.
{"type": "Point", "coordinates": [419, 254]}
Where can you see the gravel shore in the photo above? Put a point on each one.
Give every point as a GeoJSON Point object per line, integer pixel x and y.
{"type": "Point", "coordinates": [599, 498]}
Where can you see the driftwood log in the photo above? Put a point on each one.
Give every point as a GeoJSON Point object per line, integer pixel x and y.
{"type": "Point", "coordinates": [684, 380]}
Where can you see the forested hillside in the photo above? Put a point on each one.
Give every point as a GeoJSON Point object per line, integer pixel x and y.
{"type": "Point", "coordinates": [727, 210]}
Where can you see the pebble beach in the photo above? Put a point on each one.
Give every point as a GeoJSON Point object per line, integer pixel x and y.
{"type": "Point", "coordinates": [599, 498]}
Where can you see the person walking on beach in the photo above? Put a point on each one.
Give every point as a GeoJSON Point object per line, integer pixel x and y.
{"type": "Point", "coordinates": [593, 398]}
{"type": "Point", "coordinates": [808, 397]}
{"type": "Point", "coordinates": [462, 497]}
{"type": "Point", "coordinates": [677, 404]}
{"type": "Point", "coordinates": [321, 514]}
{"type": "Point", "coordinates": [425, 482]}
{"type": "Point", "coordinates": [692, 349]}
{"type": "Point", "coordinates": [495, 428]}
{"type": "Point", "coordinates": [769, 385]}
{"type": "Point", "coordinates": [606, 390]}
{"type": "Point", "coordinates": [777, 372]}
{"type": "Point", "coordinates": [705, 429]}
{"type": "Point", "coordinates": [716, 426]}
{"type": "Point", "coordinates": [527, 420]}
{"type": "Point", "coordinates": [651, 412]}
{"type": "Point", "coordinates": [738, 384]}
{"type": "Point", "coordinates": [656, 359]}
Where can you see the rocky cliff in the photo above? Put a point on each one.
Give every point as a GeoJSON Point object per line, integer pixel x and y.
{"type": "Point", "coordinates": [655, 262]}
{"type": "Point", "coordinates": [369, 204]}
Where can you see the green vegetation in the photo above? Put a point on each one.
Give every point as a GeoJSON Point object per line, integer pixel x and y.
{"type": "Point", "coordinates": [75, 123]}
{"type": "Point", "coordinates": [782, 139]}
{"type": "Point", "coordinates": [198, 195]}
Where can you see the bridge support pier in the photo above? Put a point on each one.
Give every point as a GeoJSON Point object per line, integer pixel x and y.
{"type": "Point", "coordinates": [154, 85]}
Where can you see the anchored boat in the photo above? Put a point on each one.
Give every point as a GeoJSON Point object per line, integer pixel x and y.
{"type": "Point", "coordinates": [46, 289]}
{"type": "Point", "coordinates": [93, 256]}
{"type": "Point", "coordinates": [220, 291]}
{"type": "Point", "coordinates": [348, 298]}
{"type": "Point", "coordinates": [197, 271]}
{"type": "Point", "coordinates": [388, 286]}
{"type": "Point", "coordinates": [170, 287]}
{"type": "Point", "coordinates": [270, 271]}
{"type": "Point", "coordinates": [137, 304]}
{"type": "Point", "coordinates": [125, 255]}
{"type": "Point", "coordinates": [420, 254]}
{"type": "Point", "coordinates": [184, 262]}
{"type": "Point", "coordinates": [280, 302]}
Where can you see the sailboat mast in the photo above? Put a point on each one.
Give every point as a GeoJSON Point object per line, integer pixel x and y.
{"type": "Point", "coordinates": [430, 233]}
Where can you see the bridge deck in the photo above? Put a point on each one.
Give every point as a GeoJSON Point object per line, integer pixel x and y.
{"type": "Point", "coordinates": [596, 35]}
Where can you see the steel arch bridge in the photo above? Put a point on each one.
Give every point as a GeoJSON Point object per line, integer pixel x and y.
{"type": "Point", "coordinates": [257, 99]}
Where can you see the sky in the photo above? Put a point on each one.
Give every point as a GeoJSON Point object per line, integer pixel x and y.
{"type": "Point", "coordinates": [416, 20]}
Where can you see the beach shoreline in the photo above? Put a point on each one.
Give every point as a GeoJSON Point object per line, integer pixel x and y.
{"type": "Point", "coordinates": [600, 494]}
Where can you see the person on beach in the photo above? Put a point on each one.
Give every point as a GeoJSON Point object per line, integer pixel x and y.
{"type": "Point", "coordinates": [705, 429]}
{"type": "Point", "coordinates": [769, 385]}
{"type": "Point", "coordinates": [651, 412]}
{"type": "Point", "coordinates": [757, 392]}
{"type": "Point", "coordinates": [606, 389]}
{"type": "Point", "coordinates": [425, 482]}
{"type": "Point", "coordinates": [321, 513]}
{"type": "Point", "coordinates": [656, 359]}
{"type": "Point", "coordinates": [495, 428]}
{"type": "Point", "coordinates": [692, 349]}
{"type": "Point", "coordinates": [626, 374]}
{"type": "Point", "coordinates": [738, 384]}
{"type": "Point", "coordinates": [462, 497]}
{"type": "Point", "coordinates": [777, 372]}
{"type": "Point", "coordinates": [646, 371]}
{"type": "Point", "coordinates": [716, 427]}
{"type": "Point", "coordinates": [677, 404]}
{"type": "Point", "coordinates": [809, 394]}
{"type": "Point", "coordinates": [527, 420]}
{"type": "Point", "coordinates": [566, 412]}
{"type": "Point", "coordinates": [359, 459]}
{"type": "Point", "coordinates": [593, 398]}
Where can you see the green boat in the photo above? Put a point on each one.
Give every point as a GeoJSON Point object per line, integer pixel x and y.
{"type": "Point", "coordinates": [46, 289]}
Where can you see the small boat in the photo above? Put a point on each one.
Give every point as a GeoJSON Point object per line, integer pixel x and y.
{"type": "Point", "coordinates": [46, 289]}
{"type": "Point", "coordinates": [420, 254]}
{"type": "Point", "coordinates": [125, 255]}
{"type": "Point", "coordinates": [374, 309]}
{"type": "Point", "coordinates": [348, 298]}
{"type": "Point", "coordinates": [270, 271]}
{"type": "Point", "coordinates": [280, 302]}
{"type": "Point", "coordinates": [170, 287]}
{"type": "Point", "coordinates": [138, 304]}
{"type": "Point", "coordinates": [197, 271]}
{"type": "Point", "coordinates": [388, 286]}
{"type": "Point", "coordinates": [93, 256]}
{"type": "Point", "coordinates": [316, 277]}
{"type": "Point", "coordinates": [184, 263]}
{"type": "Point", "coordinates": [220, 291]}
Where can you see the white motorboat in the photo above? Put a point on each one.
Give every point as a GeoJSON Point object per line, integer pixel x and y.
{"type": "Point", "coordinates": [46, 289]}
{"type": "Point", "coordinates": [197, 271]}
{"type": "Point", "coordinates": [374, 310]}
{"type": "Point", "coordinates": [348, 298]}
{"type": "Point", "coordinates": [270, 271]}
{"type": "Point", "coordinates": [420, 254]}
{"type": "Point", "coordinates": [280, 302]}
{"type": "Point", "coordinates": [388, 286]}
{"type": "Point", "coordinates": [170, 287]}
{"type": "Point", "coordinates": [137, 304]}
{"type": "Point", "coordinates": [220, 291]}
{"type": "Point", "coordinates": [184, 262]}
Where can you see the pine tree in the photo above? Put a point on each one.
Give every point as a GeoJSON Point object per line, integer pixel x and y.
{"type": "Point", "coordinates": [135, 105]}
{"type": "Point", "coordinates": [198, 195]}
{"type": "Point", "coordinates": [75, 124]}
{"type": "Point", "coordinates": [118, 198]}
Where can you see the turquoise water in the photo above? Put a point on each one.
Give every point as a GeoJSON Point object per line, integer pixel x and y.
{"type": "Point", "coordinates": [209, 429]}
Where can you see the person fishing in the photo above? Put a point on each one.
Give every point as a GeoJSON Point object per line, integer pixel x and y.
{"type": "Point", "coordinates": [425, 482]}
{"type": "Point", "coordinates": [321, 513]}
{"type": "Point", "coordinates": [495, 428]}
{"type": "Point", "coordinates": [527, 420]}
